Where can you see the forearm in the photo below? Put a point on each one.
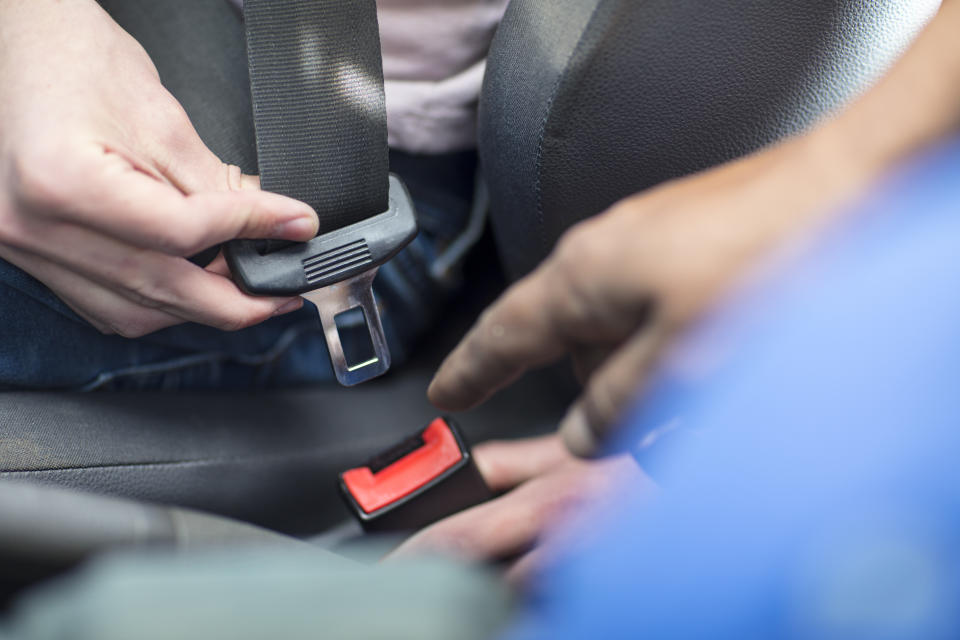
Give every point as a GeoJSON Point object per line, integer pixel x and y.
{"type": "Point", "coordinates": [915, 104]}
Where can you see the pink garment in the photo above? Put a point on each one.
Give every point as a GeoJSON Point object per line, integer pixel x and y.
{"type": "Point", "coordinates": [434, 54]}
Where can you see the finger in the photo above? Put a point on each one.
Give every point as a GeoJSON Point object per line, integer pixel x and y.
{"type": "Point", "coordinates": [131, 206]}
{"type": "Point", "coordinates": [587, 359]}
{"type": "Point", "coordinates": [219, 266]}
{"type": "Point", "coordinates": [195, 295]}
{"type": "Point", "coordinates": [511, 524]}
{"type": "Point", "coordinates": [557, 308]}
{"type": "Point", "coordinates": [158, 281]}
{"type": "Point", "coordinates": [522, 572]}
{"type": "Point", "coordinates": [518, 332]}
{"type": "Point", "coordinates": [611, 389]}
{"type": "Point", "coordinates": [494, 530]}
{"type": "Point", "coordinates": [192, 168]}
{"type": "Point", "coordinates": [108, 312]}
{"type": "Point", "coordinates": [103, 309]}
{"type": "Point", "coordinates": [507, 464]}
{"type": "Point", "coordinates": [599, 482]}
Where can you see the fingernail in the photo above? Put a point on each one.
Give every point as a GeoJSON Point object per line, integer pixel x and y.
{"type": "Point", "coordinates": [577, 434]}
{"type": "Point", "coordinates": [289, 307]}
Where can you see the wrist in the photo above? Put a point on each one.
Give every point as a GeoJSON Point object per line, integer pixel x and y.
{"type": "Point", "coordinates": [836, 165]}
{"type": "Point", "coordinates": [800, 182]}
{"type": "Point", "coordinates": [913, 106]}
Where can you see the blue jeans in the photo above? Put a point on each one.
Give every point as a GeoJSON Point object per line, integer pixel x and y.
{"type": "Point", "coordinates": [45, 345]}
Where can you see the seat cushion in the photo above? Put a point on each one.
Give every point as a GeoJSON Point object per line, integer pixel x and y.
{"type": "Point", "coordinates": [269, 458]}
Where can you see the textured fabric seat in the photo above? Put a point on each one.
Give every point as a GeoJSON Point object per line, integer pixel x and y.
{"type": "Point", "coordinates": [589, 101]}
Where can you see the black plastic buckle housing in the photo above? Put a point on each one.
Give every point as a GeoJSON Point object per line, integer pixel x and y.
{"type": "Point", "coordinates": [329, 258]}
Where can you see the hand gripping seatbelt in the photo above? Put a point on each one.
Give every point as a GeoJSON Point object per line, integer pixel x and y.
{"type": "Point", "coordinates": [316, 74]}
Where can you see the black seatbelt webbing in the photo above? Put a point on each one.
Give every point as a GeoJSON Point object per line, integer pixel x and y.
{"type": "Point", "coordinates": [316, 76]}
{"type": "Point", "coordinates": [317, 81]}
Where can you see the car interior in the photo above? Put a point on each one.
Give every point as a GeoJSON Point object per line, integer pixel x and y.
{"type": "Point", "coordinates": [585, 102]}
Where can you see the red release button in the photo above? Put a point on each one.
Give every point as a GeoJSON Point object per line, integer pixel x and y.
{"type": "Point", "coordinates": [439, 452]}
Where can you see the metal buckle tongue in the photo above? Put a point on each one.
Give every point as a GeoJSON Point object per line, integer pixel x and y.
{"type": "Point", "coordinates": [335, 272]}
{"type": "Point", "coordinates": [353, 293]}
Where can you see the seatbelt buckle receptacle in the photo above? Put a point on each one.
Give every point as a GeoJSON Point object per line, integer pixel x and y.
{"type": "Point", "coordinates": [425, 478]}
{"type": "Point", "coordinates": [335, 271]}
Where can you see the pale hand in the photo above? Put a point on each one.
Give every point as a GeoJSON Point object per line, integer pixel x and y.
{"type": "Point", "coordinates": [105, 186]}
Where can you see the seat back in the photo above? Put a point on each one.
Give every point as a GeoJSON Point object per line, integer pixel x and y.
{"type": "Point", "coordinates": [588, 101]}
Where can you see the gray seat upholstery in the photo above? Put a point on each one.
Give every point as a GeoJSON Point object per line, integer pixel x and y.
{"type": "Point", "coordinates": [588, 101]}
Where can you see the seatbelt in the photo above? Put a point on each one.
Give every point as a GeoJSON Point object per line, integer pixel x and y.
{"type": "Point", "coordinates": [316, 74]}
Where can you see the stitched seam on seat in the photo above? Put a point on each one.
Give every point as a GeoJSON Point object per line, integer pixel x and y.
{"type": "Point", "coordinates": [538, 185]}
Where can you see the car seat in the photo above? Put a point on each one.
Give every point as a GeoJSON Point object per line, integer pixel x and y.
{"type": "Point", "coordinates": [585, 102]}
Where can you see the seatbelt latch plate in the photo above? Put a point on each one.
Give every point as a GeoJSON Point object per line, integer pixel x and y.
{"type": "Point", "coordinates": [335, 271]}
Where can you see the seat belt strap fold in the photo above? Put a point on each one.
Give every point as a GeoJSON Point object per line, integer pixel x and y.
{"type": "Point", "coordinates": [316, 75]}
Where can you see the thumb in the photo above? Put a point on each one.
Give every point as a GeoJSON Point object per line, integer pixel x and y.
{"type": "Point", "coordinates": [610, 391]}
{"type": "Point", "coordinates": [222, 216]}
{"type": "Point", "coordinates": [240, 208]}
